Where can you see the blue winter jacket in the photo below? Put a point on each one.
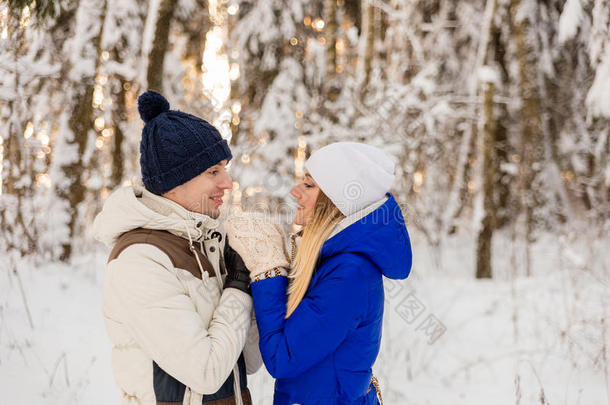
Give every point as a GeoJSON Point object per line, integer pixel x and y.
{"type": "Point", "coordinates": [324, 352]}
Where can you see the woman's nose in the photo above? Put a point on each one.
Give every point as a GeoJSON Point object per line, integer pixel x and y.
{"type": "Point", "coordinates": [294, 192]}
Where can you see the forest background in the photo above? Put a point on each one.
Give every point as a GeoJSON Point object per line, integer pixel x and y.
{"type": "Point", "coordinates": [498, 115]}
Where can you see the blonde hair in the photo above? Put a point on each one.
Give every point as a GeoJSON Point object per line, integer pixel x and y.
{"type": "Point", "coordinates": [323, 219]}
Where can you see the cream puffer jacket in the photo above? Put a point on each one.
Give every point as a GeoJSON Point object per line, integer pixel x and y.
{"type": "Point", "coordinates": [153, 310]}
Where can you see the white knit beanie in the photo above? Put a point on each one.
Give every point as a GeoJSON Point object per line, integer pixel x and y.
{"type": "Point", "coordinates": [353, 175]}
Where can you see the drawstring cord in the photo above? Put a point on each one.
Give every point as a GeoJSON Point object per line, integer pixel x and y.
{"type": "Point", "coordinates": [192, 248]}
{"type": "Point", "coordinates": [236, 376]}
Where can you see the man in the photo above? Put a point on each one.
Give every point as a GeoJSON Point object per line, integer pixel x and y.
{"type": "Point", "coordinates": [176, 297]}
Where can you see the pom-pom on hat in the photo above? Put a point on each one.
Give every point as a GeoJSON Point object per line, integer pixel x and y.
{"type": "Point", "coordinates": [151, 104]}
{"type": "Point", "coordinates": [352, 175]}
{"type": "Point", "coordinates": [175, 146]}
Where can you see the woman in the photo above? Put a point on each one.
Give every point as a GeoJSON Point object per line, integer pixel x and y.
{"type": "Point", "coordinates": [320, 327]}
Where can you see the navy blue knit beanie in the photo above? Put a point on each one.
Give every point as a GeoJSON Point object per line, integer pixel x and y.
{"type": "Point", "coordinates": [175, 146]}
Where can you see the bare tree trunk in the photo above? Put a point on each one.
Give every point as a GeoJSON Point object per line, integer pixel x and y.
{"type": "Point", "coordinates": [381, 24]}
{"type": "Point", "coordinates": [330, 16]}
{"type": "Point", "coordinates": [368, 31]}
{"type": "Point", "coordinates": [13, 161]}
{"type": "Point", "coordinates": [484, 269]}
{"type": "Point", "coordinates": [119, 117]}
{"type": "Point", "coordinates": [156, 57]}
{"type": "Point", "coordinates": [503, 209]}
{"type": "Point", "coordinates": [458, 191]}
{"type": "Point", "coordinates": [251, 92]}
{"type": "Point", "coordinates": [353, 10]}
{"type": "Point", "coordinates": [195, 26]}
{"type": "Point", "coordinates": [331, 87]}
{"type": "Point", "coordinates": [530, 118]}
{"type": "Point", "coordinates": [486, 155]}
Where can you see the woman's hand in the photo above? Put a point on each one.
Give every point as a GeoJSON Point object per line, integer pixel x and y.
{"type": "Point", "coordinates": [258, 240]}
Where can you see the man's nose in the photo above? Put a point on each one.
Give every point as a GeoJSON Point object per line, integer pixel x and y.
{"type": "Point", "coordinates": [226, 182]}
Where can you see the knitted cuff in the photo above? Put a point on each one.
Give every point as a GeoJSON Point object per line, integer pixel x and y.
{"type": "Point", "coordinates": [274, 272]}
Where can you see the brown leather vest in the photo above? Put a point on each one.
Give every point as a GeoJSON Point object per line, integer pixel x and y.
{"type": "Point", "coordinates": [175, 247]}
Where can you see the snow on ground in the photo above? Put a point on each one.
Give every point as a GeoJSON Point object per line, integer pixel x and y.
{"type": "Point", "coordinates": [448, 339]}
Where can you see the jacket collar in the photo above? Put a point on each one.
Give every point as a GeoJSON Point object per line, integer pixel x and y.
{"type": "Point", "coordinates": [134, 207]}
{"type": "Point", "coordinates": [357, 216]}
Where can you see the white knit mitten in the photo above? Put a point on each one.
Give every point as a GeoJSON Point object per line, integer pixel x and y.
{"type": "Point", "coordinates": [259, 242]}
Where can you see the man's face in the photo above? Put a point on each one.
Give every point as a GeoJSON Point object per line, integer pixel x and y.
{"type": "Point", "coordinates": [203, 193]}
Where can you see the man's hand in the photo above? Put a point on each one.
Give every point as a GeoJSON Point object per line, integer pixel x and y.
{"type": "Point", "coordinates": [238, 275]}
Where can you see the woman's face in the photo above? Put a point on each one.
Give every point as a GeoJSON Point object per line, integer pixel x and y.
{"type": "Point", "coordinates": [306, 193]}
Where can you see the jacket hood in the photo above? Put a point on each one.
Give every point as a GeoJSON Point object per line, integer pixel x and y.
{"type": "Point", "coordinates": [379, 233]}
{"type": "Point", "coordinates": [130, 207]}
